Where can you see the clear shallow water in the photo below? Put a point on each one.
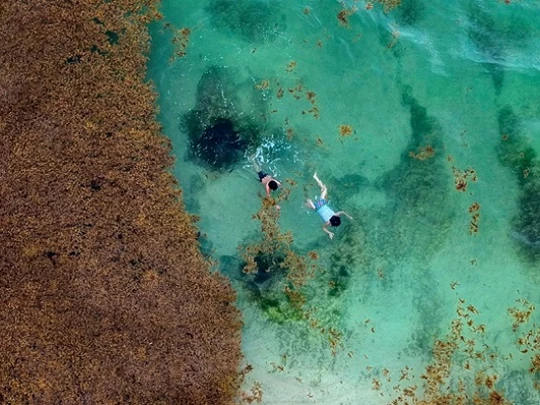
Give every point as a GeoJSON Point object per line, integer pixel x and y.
{"type": "Point", "coordinates": [427, 74]}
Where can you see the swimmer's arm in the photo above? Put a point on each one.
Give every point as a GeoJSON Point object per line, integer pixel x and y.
{"type": "Point", "coordinates": [331, 234]}
{"type": "Point", "coordinates": [343, 213]}
{"type": "Point", "coordinates": [268, 191]}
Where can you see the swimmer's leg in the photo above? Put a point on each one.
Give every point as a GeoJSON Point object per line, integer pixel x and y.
{"type": "Point", "coordinates": [324, 190]}
{"type": "Point", "coordinates": [255, 164]}
{"type": "Point", "coordinates": [309, 204]}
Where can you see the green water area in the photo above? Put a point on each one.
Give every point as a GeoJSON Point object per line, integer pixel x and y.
{"type": "Point", "coordinates": [423, 121]}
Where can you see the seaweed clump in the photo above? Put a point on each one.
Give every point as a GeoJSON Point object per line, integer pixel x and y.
{"type": "Point", "coordinates": [461, 355]}
{"type": "Point", "coordinates": [529, 345]}
{"type": "Point", "coordinates": [219, 134]}
{"type": "Point", "coordinates": [389, 5]}
{"type": "Point", "coordinates": [106, 297]}
{"type": "Point", "coordinates": [275, 274]}
{"type": "Point", "coordinates": [514, 152]}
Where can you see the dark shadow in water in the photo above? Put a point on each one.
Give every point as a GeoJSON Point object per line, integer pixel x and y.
{"type": "Point", "coordinates": [389, 38]}
{"type": "Point", "coordinates": [266, 285]}
{"type": "Point", "coordinates": [406, 14]}
{"type": "Point", "coordinates": [494, 38]}
{"type": "Point", "coordinates": [269, 271]}
{"type": "Point", "coordinates": [515, 153]}
{"type": "Point", "coordinates": [429, 306]}
{"type": "Point", "coordinates": [415, 221]}
{"type": "Point", "coordinates": [483, 34]}
{"type": "Point", "coordinates": [409, 12]}
{"type": "Point", "coordinates": [219, 144]}
{"type": "Point", "coordinates": [346, 187]}
{"type": "Point", "coordinates": [349, 184]}
{"type": "Point", "coordinates": [254, 21]}
{"type": "Point", "coordinates": [231, 266]}
{"type": "Point", "coordinates": [205, 245]}
{"type": "Point", "coordinates": [219, 131]}
{"type": "Point", "coordinates": [346, 259]}
{"type": "Point", "coordinates": [419, 210]}
{"type": "Point", "coordinates": [518, 388]}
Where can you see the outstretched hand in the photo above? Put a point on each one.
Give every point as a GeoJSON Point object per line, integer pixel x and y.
{"type": "Point", "coordinates": [344, 213]}
{"type": "Point", "coordinates": [331, 235]}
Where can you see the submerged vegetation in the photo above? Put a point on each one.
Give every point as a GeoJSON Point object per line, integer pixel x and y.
{"type": "Point", "coordinates": [347, 256]}
{"type": "Point", "coordinates": [106, 296]}
{"type": "Point", "coordinates": [280, 281]}
{"type": "Point", "coordinates": [418, 187]}
{"type": "Point", "coordinates": [255, 21]}
{"type": "Point", "coordinates": [515, 153]}
{"type": "Point", "coordinates": [464, 369]}
{"type": "Point", "coordinates": [274, 272]}
{"type": "Point", "coordinates": [410, 12]}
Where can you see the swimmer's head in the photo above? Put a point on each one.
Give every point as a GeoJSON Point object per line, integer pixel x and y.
{"type": "Point", "coordinates": [335, 220]}
{"type": "Point", "coordinates": [273, 185]}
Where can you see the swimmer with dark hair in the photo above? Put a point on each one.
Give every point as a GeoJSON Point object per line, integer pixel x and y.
{"type": "Point", "coordinates": [269, 183]}
{"type": "Point", "coordinates": [322, 208]}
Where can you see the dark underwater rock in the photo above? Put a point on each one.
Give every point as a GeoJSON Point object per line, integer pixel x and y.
{"type": "Point", "coordinates": [269, 270]}
{"type": "Point", "coordinates": [219, 129]}
{"type": "Point", "coordinates": [266, 287]}
{"type": "Point", "coordinates": [269, 266]}
{"type": "Point", "coordinates": [219, 145]}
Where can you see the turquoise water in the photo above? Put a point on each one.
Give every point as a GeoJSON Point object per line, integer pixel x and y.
{"type": "Point", "coordinates": [431, 93]}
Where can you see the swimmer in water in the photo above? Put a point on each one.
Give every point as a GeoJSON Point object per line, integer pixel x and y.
{"type": "Point", "coordinates": [269, 183]}
{"type": "Point", "coordinates": [327, 214]}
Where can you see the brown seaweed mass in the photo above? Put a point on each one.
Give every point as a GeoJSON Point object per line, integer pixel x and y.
{"type": "Point", "coordinates": [105, 296]}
